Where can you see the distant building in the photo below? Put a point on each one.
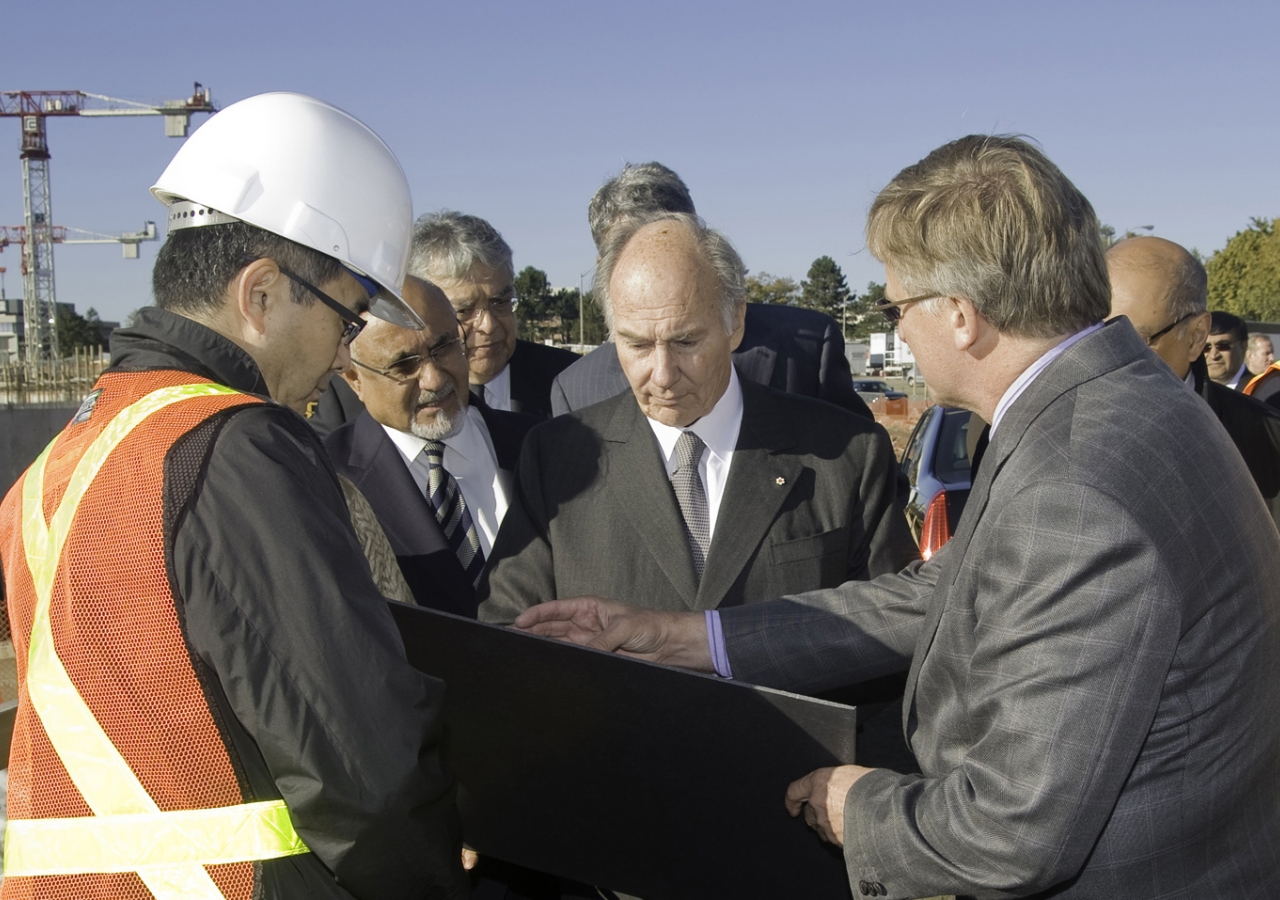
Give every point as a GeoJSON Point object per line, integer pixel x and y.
{"type": "Point", "coordinates": [13, 332]}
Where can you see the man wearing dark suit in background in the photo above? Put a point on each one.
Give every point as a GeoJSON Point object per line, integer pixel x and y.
{"type": "Point", "coordinates": [468, 259]}
{"type": "Point", "coordinates": [1224, 350]}
{"type": "Point", "coordinates": [1162, 289]}
{"type": "Point", "coordinates": [1094, 655]}
{"type": "Point", "coordinates": [800, 351]}
{"type": "Point", "coordinates": [795, 494]}
{"type": "Point", "coordinates": [413, 386]}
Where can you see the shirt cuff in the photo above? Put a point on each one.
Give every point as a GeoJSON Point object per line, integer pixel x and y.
{"type": "Point", "coordinates": [715, 640]}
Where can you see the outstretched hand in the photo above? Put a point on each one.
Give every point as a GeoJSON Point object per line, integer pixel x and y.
{"type": "Point", "coordinates": [678, 639]}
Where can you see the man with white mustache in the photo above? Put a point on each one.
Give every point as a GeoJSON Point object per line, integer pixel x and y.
{"type": "Point", "coordinates": [437, 471]}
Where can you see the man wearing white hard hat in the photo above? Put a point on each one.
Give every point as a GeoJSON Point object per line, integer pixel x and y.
{"type": "Point", "coordinates": [213, 700]}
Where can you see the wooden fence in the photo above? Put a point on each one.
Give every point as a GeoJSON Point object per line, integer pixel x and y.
{"type": "Point", "coordinates": [52, 382]}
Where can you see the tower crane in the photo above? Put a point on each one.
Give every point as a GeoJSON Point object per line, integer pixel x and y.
{"type": "Point", "coordinates": [39, 308]}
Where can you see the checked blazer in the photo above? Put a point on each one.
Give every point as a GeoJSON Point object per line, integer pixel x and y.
{"type": "Point", "coordinates": [1094, 657]}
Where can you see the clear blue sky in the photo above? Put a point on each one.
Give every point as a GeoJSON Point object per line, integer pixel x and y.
{"type": "Point", "coordinates": [784, 118]}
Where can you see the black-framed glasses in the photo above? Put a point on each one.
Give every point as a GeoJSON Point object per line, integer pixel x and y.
{"type": "Point", "coordinates": [1166, 329]}
{"type": "Point", "coordinates": [352, 323]}
{"type": "Point", "coordinates": [498, 307]}
{"type": "Point", "coordinates": [892, 309]}
{"type": "Point", "coordinates": [405, 370]}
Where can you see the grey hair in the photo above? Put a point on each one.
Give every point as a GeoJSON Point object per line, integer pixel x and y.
{"type": "Point", "coordinates": [446, 244]}
{"type": "Point", "coordinates": [637, 190]}
{"type": "Point", "coordinates": [991, 219]}
{"type": "Point", "coordinates": [715, 249]}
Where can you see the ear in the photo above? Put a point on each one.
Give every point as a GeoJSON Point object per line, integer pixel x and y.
{"type": "Point", "coordinates": [256, 290]}
{"type": "Point", "coordinates": [739, 327]}
{"type": "Point", "coordinates": [352, 374]}
{"type": "Point", "coordinates": [967, 326]}
{"type": "Point", "coordinates": [1197, 334]}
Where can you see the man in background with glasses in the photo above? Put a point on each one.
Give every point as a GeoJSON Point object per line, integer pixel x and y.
{"type": "Point", "coordinates": [471, 263]}
{"type": "Point", "coordinates": [1162, 290]}
{"type": "Point", "coordinates": [1224, 350]}
{"type": "Point", "coordinates": [436, 469]}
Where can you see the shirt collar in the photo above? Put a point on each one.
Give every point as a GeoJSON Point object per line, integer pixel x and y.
{"type": "Point", "coordinates": [718, 429]}
{"type": "Point", "coordinates": [463, 442]}
{"type": "Point", "coordinates": [1023, 381]}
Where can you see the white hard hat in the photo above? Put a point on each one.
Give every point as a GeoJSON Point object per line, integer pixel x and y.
{"type": "Point", "coordinates": [309, 172]}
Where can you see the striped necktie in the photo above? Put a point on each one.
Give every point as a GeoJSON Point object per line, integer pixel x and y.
{"type": "Point", "coordinates": [692, 497]}
{"type": "Point", "coordinates": [452, 513]}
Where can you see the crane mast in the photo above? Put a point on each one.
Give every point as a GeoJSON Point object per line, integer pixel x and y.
{"type": "Point", "coordinates": [39, 307]}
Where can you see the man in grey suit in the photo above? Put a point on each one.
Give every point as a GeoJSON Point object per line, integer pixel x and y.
{"type": "Point", "coordinates": [791, 493]}
{"type": "Point", "coordinates": [1094, 656]}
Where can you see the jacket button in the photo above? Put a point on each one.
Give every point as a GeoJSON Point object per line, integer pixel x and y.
{"type": "Point", "coordinates": [879, 889]}
{"type": "Point", "coordinates": [865, 888]}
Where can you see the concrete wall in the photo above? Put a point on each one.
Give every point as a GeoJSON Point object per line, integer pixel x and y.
{"type": "Point", "coordinates": [24, 432]}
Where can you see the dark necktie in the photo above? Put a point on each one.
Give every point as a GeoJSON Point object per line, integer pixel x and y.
{"type": "Point", "coordinates": [692, 497]}
{"type": "Point", "coordinates": [452, 513]}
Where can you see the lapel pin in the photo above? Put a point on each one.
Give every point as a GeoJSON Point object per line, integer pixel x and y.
{"type": "Point", "coordinates": [781, 481]}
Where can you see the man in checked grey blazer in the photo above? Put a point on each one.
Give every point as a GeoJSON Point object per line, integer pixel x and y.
{"type": "Point", "coordinates": [1094, 659]}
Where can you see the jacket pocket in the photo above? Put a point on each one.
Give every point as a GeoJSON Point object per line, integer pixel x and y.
{"type": "Point", "coordinates": [815, 546]}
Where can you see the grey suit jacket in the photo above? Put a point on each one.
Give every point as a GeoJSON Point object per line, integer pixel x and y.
{"type": "Point", "coordinates": [1095, 657]}
{"type": "Point", "coordinates": [809, 503]}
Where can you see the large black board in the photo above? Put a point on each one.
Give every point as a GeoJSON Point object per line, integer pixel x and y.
{"type": "Point", "coordinates": [648, 780]}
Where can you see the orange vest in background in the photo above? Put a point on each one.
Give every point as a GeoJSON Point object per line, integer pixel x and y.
{"type": "Point", "coordinates": [120, 783]}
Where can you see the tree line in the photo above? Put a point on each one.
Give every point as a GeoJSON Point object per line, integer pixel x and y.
{"type": "Point", "coordinates": [1244, 278]}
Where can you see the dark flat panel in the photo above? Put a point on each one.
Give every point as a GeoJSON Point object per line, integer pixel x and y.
{"type": "Point", "coordinates": [653, 781]}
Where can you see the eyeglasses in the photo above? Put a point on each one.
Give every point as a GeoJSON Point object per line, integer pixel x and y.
{"type": "Point", "coordinates": [892, 309]}
{"type": "Point", "coordinates": [1166, 329]}
{"type": "Point", "coordinates": [352, 323]}
{"type": "Point", "coordinates": [499, 308]}
{"type": "Point", "coordinates": [1220, 346]}
{"type": "Point", "coordinates": [405, 370]}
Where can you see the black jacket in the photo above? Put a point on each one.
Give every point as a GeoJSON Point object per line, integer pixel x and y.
{"type": "Point", "coordinates": [1254, 427]}
{"type": "Point", "coordinates": [301, 662]}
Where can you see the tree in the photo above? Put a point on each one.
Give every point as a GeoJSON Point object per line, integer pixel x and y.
{"type": "Point", "coordinates": [766, 288]}
{"type": "Point", "coordinates": [825, 289]}
{"type": "Point", "coordinates": [534, 291]}
{"type": "Point", "coordinates": [1244, 276]}
{"type": "Point", "coordinates": [75, 332]}
{"type": "Point", "coordinates": [862, 318]}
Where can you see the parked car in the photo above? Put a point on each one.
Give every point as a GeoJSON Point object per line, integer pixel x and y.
{"type": "Point", "coordinates": [936, 461]}
{"type": "Point", "coordinates": [869, 386]}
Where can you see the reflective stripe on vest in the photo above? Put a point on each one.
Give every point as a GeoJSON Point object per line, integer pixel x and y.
{"type": "Point", "coordinates": [1256, 380]}
{"type": "Point", "coordinates": [128, 832]}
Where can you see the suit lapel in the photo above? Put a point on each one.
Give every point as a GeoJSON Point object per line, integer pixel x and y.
{"type": "Point", "coordinates": [761, 478]}
{"type": "Point", "coordinates": [507, 440]}
{"type": "Point", "coordinates": [382, 476]}
{"type": "Point", "coordinates": [755, 364]}
{"type": "Point", "coordinates": [642, 491]}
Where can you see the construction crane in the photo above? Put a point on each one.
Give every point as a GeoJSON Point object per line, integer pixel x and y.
{"type": "Point", "coordinates": [39, 307]}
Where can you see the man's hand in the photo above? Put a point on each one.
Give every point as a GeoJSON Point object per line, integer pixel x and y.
{"type": "Point", "coordinates": [469, 858]}
{"type": "Point", "coordinates": [677, 639]}
{"type": "Point", "coordinates": [821, 794]}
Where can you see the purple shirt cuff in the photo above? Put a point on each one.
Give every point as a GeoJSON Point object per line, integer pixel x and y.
{"type": "Point", "coordinates": [715, 640]}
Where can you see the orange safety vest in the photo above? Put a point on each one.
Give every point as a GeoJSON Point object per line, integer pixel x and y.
{"type": "Point", "coordinates": [1271, 371]}
{"type": "Point", "coordinates": [120, 782]}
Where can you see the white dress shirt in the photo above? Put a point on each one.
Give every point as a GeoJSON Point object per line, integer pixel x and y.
{"type": "Point", "coordinates": [1023, 381]}
{"type": "Point", "coordinates": [470, 458]}
{"type": "Point", "coordinates": [718, 429]}
{"type": "Point", "coordinates": [497, 393]}
{"type": "Point", "coordinates": [1242, 372]}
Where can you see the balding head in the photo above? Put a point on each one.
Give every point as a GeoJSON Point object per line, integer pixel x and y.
{"type": "Point", "coordinates": [1157, 284]}
{"type": "Point", "coordinates": [672, 294]}
{"type": "Point", "coordinates": [413, 381]}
